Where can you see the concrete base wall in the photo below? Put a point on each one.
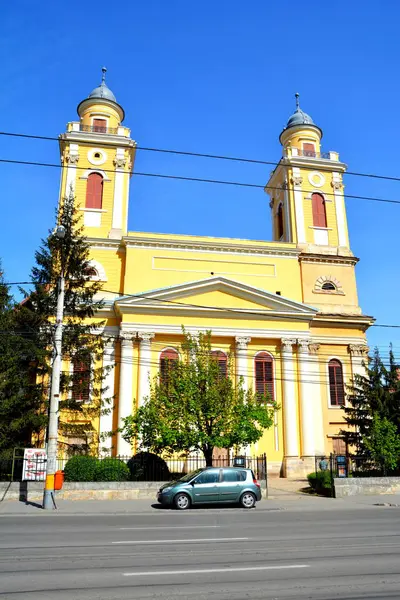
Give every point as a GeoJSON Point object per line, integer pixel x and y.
{"type": "Point", "coordinates": [298, 467]}
{"type": "Point", "coordinates": [32, 491]}
{"type": "Point", "coordinates": [366, 486]}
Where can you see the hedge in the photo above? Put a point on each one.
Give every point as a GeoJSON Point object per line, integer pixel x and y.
{"type": "Point", "coordinates": [321, 482]}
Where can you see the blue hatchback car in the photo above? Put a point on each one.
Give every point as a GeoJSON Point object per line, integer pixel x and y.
{"type": "Point", "coordinates": [224, 485]}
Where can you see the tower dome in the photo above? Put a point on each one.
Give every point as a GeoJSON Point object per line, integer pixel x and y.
{"type": "Point", "coordinates": [102, 95]}
{"type": "Point", "coordinates": [300, 119]}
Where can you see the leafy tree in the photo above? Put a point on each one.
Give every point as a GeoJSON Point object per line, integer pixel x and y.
{"type": "Point", "coordinates": [376, 393]}
{"type": "Point", "coordinates": [82, 339]}
{"type": "Point", "coordinates": [194, 407]}
{"type": "Point", "coordinates": [383, 443]}
{"type": "Point", "coordinates": [21, 416]}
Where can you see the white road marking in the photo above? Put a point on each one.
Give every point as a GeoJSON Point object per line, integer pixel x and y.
{"type": "Point", "coordinates": [172, 527]}
{"type": "Point", "coordinates": [225, 570]}
{"type": "Point", "coordinates": [185, 541]}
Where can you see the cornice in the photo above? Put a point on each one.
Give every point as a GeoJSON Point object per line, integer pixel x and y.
{"type": "Point", "coordinates": [344, 321]}
{"type": "Point", "coordinates": [99, 139]}
{"type": "Point", "coordinates": [321, 164]}
{"type": "Point", "coordinates": [106, 243]}
{"type": "Point", "coordinates": [204, 246]}
{"type": "Point", "coordinates": [331, 259]}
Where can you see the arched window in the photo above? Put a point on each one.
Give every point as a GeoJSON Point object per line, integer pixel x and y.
{"type": "Point", "coordinates": [100, 125]}
{"type": "Point", "coordinates": [81, 379]}
{"type": "Point", "coordinates": [328, 286]}
{"type": "Point", "coordinates": [309, 150]}
{"type": "Point", "coordinates": [264, 373]}
{"type": "Point", "coordinates": [318, 210]}
{"type": "Point", "coordinates": [336, 384]}
{"type": "Point", "coordinates": [222, 362]}
{"type": "Point", "coordinates": [168, 360]}
{"type": "Point", "coordinates": [94, 191]}
{"type": "Point", "coordinates": [279, 220]}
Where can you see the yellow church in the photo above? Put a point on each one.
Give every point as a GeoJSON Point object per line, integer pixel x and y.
{"type": "Point", "coordinates": [286, 309]}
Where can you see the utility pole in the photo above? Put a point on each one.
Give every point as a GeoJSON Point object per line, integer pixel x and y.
{"type": "Point", "coordinates": [52, 444]}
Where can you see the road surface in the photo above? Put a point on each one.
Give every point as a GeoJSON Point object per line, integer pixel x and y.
{"type": "Point", "coordinates": [227, 553]}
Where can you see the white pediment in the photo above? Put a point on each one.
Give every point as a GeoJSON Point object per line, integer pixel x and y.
{"type": "Point", "coordinates": [216, 294]}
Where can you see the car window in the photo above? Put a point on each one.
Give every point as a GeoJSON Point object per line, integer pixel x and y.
{"type": "Point", "coordinates": [208, 477]}
{"type": "Point", "coordinates": [232, 475]}
{"type": "Point", "coordinates": [190, 476]}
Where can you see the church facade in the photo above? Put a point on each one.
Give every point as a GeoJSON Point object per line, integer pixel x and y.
{"type": "Point", "coordinates": [287, 310]}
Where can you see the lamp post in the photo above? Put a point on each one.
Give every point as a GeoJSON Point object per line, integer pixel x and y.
{"type": "Point", "coordinates": [48, 497]}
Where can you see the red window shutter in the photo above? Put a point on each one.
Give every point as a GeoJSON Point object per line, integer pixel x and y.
{"type": "Point", "coordinates": [222, 362]}
{"type": "Point", "coordinates": [168, 360]}
{"type": "Point", "coordinates": [309, 149]}
{"type": "Point", "coordinates": [81, 381]}
{"type": "Point", "coordinates": [100, 125]}
{"type": "Point", "coordinates": [336, 383]}
{"type": "Point", "coordinates": [264, 374]}
{"type": "Point", "coordinates": [318, 210]}
{"type": "Point", "coordinates": [94, 191]}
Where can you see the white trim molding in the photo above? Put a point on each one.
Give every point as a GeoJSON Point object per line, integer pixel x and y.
{"type": "Point", "coordinates": [88, 172]}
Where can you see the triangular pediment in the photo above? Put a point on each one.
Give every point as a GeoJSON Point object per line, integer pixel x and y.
{"type": "Point", "coordinates": [215, 294]}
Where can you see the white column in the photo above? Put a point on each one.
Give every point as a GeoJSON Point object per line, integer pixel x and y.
{"type": "Point", "coordinates": [242, 360]}
{"type": "Point", "coordinates": [315, 389]}
{"type": "Point", "coordinates": [288, 216]}
{"type": "Point", "coordinates": [72, 159]}
{"type": "Point", "coordinates": [118, 204]}
{"type": "Point", "coordinates": [125, 402]}
{"type": "Point", "coordinates": [107, 408]}
{"type": "Point", "coordinates": [306, 399]}
{"type": "Point", "coordinates": [337, 185]}
{"type": "Point", "coordinates": [296, 181]}
{"type": "Point", "coordinates": [144, 365]}
{"type": "Point", "coordinates": [359, 359]}
{"type": "Point", "coordinates": [291, 438]}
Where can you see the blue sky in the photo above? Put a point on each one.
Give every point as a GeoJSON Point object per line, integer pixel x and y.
{"type": "Point", "coordinates": [212, 77]}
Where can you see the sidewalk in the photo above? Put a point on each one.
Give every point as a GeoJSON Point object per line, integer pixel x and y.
{"type": "Point", "coordinates": [286, 501]}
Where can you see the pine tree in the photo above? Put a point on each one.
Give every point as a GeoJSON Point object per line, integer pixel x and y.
{"type": "Point", "coordinates": [21, 414]}
{"type": "Point", "coordinates": [376, 393]}
{"type": "Point", "coordinates": [82, 387]}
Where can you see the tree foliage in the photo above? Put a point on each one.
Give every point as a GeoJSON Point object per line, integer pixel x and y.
{"type": "Point", "coordinates": [82, 332]}
{"type": "Point", "coordinates": [376, 394]}
{"type": "Point", "coordinates": [383, 443]}
{"type": "Point", "coordinates": [194, 407]}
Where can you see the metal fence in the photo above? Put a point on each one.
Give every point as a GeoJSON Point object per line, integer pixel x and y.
{"type": "Point", "coordinates": [142, 467]}
{"type": "Point", "coordinates": [351, 466]}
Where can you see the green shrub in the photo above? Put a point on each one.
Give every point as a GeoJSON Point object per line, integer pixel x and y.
{"type": "Point", "coordinates": [111, 469]}
{"type": "Point", "coordinates": [320, 482]}
{"type": "Point", "coordinates": [81, 468]}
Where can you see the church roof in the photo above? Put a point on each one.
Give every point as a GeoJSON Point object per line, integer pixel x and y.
{"type": "Point", "coordinates": [299, 117]}
{"type": "Point", "coordinates": [103, 91]}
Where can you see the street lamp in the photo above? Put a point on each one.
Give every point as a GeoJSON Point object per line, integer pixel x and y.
{"type": "Point", "coordinates": [48, 497]}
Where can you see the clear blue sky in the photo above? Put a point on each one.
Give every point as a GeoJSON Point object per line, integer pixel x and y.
{"type": "Point", "coordinates": [213, 77]}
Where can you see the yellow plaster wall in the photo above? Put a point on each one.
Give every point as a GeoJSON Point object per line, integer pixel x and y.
{"type": "Point", "coordinates": [344, 274]}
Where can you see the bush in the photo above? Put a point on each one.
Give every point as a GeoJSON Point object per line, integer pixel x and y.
{"type": "Point", "coordinates": [146, 466]}
{"type": "Point", "coordinates": [111, 469]}
{"type": "Point", "coordinates": [81, 468]}
{"type": "Point", "coordinates": [320, 482]}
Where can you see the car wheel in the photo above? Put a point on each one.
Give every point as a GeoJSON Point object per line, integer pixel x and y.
{"type": "Point", "coordinates": [247, 500]}
{"type": "Point", "coordinates": [181, 501]}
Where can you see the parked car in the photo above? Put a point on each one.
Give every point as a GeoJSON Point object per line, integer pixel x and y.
{"type": "Point", "coordinates": [225, 485]}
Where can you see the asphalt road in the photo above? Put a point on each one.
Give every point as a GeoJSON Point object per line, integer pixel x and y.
{"type": "Point", "coordinates": [225, 554]}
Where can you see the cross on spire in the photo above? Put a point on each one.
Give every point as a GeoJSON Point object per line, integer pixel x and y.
{"type": "Point", "coordinates": [297, 96]}
{"type": "Point", "coordinates": [103, 77]}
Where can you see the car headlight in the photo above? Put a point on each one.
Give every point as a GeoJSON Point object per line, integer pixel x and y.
{"type": "Point", "coordinates": [165, 490]}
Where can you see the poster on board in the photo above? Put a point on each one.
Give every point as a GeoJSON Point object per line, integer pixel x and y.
{"type": "Point", "coordinates": [34, 468]}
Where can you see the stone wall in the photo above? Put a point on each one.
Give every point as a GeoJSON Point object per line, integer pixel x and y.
{"type": "Point", "coordinates": [366, 486]}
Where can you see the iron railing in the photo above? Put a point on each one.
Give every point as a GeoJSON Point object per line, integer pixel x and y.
{"type": "Point", "coordinates": [143, 466]}
{"type": "Point", "coordinates": [312, 154]}
{"type": "Point", "coordinates": [98, 129]}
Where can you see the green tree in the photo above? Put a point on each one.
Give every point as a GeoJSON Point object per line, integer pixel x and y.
{"type": "Point", "coordinates": [21, 414]}
{"type": "Point", "coordinates": [383, 443]}
{"type": "Point", "coordinates": [82, 338]}
{"type": "Point", "coordinates": [375, 393]}
{"type": "Point", "coordinates": [194, 407]}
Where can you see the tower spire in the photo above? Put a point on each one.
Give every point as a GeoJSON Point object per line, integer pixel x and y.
{"type": "Point", "coordinates": [297, 96]}
{"type": "Point", "coordinates": [103, 76]}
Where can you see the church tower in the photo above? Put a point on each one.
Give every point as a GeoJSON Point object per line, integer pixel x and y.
{"type": "Point", "coordinates": [308, 209]}
{"type": "Point", "coordinates": [98, 154]}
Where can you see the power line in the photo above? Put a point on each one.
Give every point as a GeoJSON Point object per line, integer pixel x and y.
{"type": "Point", "coordinates": [195, 179]}
{"type": "Point", "coordinates": [203, 155]}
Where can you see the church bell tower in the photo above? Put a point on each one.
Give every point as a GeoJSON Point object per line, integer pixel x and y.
{"type": "Point", "coordinates": [98, 155]}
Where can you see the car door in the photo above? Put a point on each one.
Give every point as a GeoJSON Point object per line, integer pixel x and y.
{"type": "Point", "coordinates": [206, 486]}
{"type": "Point", "coordinates": [231, 485]}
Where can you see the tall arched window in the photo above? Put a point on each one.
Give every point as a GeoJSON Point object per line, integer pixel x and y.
{"type": "Point", "coordinates": [336, 384]}
{"type": "Point", "coordinates": [279, 221]}
{"type": "Point", "coordinates": [80, 379]}
{"type": "Point", "coordinates": [94, 191]}
{"type": "Point", "coordinates": [318, 210]}
{"type": "Point", "coordinates": [264, 374]}
{"type": "Point", "coordinates": [222, 362]}
{"type": "Point", "coordinates": [168, 360]}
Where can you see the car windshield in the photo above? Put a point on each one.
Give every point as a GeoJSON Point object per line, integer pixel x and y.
{"type": "Point", "coordinates": [190, 476]}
